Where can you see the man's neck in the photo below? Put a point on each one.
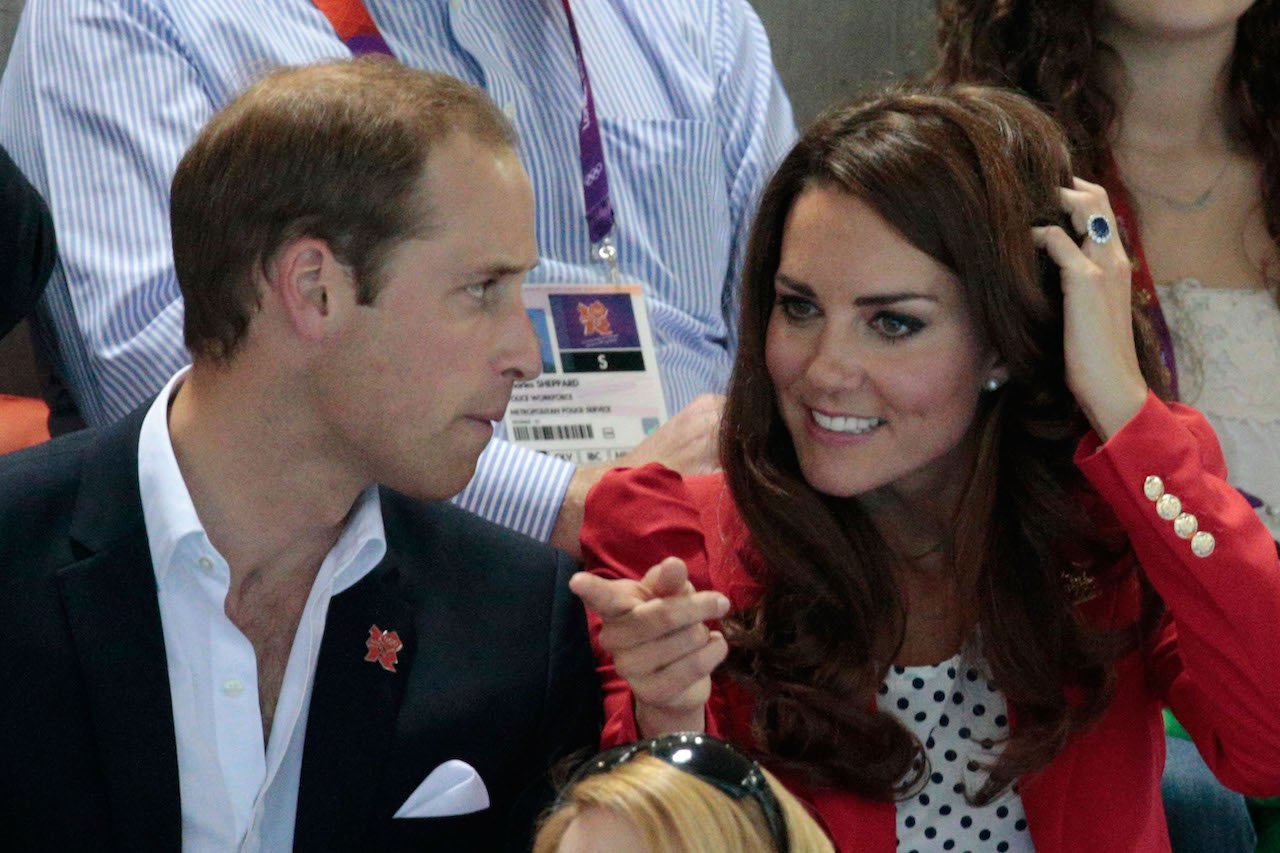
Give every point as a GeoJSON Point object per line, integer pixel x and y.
{"type": "Point", "coordinates": [1172, 94]}
{"type": "Point", "coordinates": [269, 499]}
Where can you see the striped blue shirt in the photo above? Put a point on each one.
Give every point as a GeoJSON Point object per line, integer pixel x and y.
{"type": "Point", "coordinates": [101, 98]}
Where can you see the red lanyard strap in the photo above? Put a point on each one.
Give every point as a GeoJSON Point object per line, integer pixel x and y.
{"type": "Point", "coordinates": [353, 24]}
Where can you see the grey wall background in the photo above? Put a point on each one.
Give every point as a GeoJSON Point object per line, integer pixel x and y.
{"type": "Point", "coordinates": [829, 50]}
{"type": "Point", "coordinates": [9, 11]}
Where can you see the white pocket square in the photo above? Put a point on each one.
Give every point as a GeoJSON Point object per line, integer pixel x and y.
{"type": "Point", "coordinates": [453, 788]}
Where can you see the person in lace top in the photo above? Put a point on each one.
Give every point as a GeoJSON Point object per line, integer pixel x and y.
{"type": "Point", "coordinates": [961, 552]}
{"type": "Point", "coordinates": [1173, 107]}
{"type": "Point", "coordinates": [1228, 344]}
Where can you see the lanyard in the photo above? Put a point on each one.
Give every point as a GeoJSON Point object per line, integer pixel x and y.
{"type": "Point", "coordinates": [353, 24]}
{"type": "Point", "coordinates": [351, 21]}
{"type": "Point", "coordinates": [595, 176]}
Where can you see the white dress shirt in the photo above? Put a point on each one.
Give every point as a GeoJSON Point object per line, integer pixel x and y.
{"type": "Point", "coordinates": [236, 795]}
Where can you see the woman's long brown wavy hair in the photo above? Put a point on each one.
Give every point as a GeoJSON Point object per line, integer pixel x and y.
{"type": "Point", "coordinates": [962, 174]}
{"type": "Point", "coordinates": [1050, 50]}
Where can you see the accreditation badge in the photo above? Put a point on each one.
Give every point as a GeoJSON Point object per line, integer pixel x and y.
{"type": "Point", "coordinates": [599, 394]}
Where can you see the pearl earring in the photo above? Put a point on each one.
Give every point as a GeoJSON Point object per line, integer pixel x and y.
{"type": "Point", "coordinates": [992, 384]}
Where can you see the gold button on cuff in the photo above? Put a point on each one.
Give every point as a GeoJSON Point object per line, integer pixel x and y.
{"type": "Point", "coordinates": [1202, 544]}
{"type": "Point", "coordinates": [1153, 488]}
{"type": "Point", "coordinates": [1168, 507]}
{"type": "Point", "coordinates": [1185, 525]}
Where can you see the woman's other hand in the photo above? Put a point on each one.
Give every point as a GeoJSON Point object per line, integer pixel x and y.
{"type": "Point", "coordinates": [1101, 356]}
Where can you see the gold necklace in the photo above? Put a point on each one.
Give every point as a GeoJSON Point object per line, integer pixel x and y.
{"type": "Point", "coordinates": [935, 548]}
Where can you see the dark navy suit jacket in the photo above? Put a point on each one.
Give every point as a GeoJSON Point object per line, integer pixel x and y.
{"type": "Point", "coordinates": [496, 670]}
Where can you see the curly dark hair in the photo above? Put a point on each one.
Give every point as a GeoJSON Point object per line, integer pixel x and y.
{"type": "Point", "coordinates": [962, 174]}
{"type": "Point", "coordinates": [1050, 50]}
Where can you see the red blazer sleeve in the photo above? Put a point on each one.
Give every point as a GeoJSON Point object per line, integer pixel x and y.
{"type": "Point", "coordinates": [1216, 661]}
{"type": "Point", "coordinates": [633, 519]}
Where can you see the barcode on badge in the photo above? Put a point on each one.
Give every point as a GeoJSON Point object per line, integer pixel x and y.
{"type": "Point", "coordinates": [552, 432]}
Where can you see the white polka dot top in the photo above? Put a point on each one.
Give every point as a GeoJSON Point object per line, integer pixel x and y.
{"type": "Point", "coordinates": [960, 717]}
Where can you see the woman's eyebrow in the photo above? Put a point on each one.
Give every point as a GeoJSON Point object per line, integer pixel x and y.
{"type": "Point", "coordinates": [890, 298]}
{"type": "Point", "coordinates": [802, 289]}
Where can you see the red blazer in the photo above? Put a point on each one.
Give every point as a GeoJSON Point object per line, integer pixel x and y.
{"type": "Point", "coordinates": [1216, 660]}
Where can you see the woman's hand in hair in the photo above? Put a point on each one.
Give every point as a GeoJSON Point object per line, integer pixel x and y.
{"type": "Point", "coordinates": [655, 631]}
{"type": "Point", "coordinates": [1101, 356]}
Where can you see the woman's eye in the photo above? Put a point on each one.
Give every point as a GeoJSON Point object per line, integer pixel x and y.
{"type": "Point", "coordinates": [895, 326]}
{"type": "Point", "coordinates": [797, 307]}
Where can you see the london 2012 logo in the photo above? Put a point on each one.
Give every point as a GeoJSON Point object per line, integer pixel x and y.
{"type": "Point", "coordinates": [594, 318]}
{"type": "Point", "coordinates": [596, 332]}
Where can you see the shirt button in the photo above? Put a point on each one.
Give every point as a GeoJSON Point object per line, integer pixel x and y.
{"type": "Point", "coordinates": [1168, 507]}
{"type": "Point", "coordinates": [232, 687]}
{"type": "Point", "coordinates": [1153, 488]}
{"type": "Point", "coordinates": [1202, 544]}
{"type": "Point", "coordinates": [1185, 525]}
{"type": "Point", "coordinates": [509, 108]}
{"type": "Point", "coordinates": [205, 563]}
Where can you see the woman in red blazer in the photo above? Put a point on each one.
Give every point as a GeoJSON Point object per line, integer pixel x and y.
{"type": "Point", "coordinates": [961, 551]}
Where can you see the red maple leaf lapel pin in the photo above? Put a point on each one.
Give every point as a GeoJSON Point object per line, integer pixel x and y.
{"type": "Point", "coordinates": [383, 646]}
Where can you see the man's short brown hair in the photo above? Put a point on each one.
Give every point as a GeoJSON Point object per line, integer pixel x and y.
{"type": "Point", "coordinates": [332, 151]}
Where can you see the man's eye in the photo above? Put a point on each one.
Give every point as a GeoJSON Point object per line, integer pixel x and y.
{"type": "Point", "coordinates": [895, 326]}
{"type": "Point", "coordinates": [797, 307]}
{"type": "Point", "coordinates": [480, 290]}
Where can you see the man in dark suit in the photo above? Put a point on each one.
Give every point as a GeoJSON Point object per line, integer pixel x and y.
{"type": "Point", "coordinates": [27, 254]}
{"type": "Point", "coordinates": [239, 619]}
{"type": "Point", "coordinates": [26, 245]}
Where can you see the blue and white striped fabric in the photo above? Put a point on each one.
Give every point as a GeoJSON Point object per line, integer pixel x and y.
{"type": "Point", "coordinates": [101, 98]}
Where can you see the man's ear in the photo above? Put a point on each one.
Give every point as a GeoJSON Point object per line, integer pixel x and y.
{"type": "Point", "coordinates": [312, 286]}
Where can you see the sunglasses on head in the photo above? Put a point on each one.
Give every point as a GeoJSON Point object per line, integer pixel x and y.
{"type": "Point", "coordinates": [714, 761]}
